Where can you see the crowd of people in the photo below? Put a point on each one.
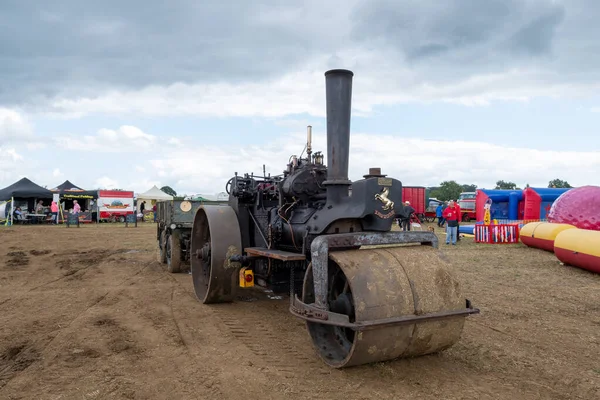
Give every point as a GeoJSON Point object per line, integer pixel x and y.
{"type": "Point", "coordinates": [448, 215]}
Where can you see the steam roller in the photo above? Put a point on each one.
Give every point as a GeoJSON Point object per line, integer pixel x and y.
{"type": "Point", "coordinates": [367, 293]}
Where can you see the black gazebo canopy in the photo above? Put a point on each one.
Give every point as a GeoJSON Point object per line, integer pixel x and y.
{"type": "Point", "coordinates": [69, 190]}
{"type": "Point", "coordinates": [25, 189]}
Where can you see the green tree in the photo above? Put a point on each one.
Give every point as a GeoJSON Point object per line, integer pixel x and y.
{"type": "Point", "coordinates": [169, 190]}
{"type": "Point", "coordinates": [506, 185]}
{"type": "Point", "coordinates": [559, 183]}
{"type": "Point", "coordinates": [469, 188]}
{"type": "Point", "coordinates": [448, 190]}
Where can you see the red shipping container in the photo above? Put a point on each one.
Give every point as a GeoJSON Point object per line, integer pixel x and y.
{"type": "Point", "coordinates": [416, 196]}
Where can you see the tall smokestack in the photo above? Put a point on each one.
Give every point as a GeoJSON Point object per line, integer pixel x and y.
{"type": "Point", "coordinates": [338, 91]}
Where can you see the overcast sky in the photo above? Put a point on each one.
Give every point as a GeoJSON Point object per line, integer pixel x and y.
{"type": "Point", "coordinates": [184, 93]}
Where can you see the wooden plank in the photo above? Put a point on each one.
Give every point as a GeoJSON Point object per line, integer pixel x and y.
{"type": "Point", "coordinates": [276, 254]}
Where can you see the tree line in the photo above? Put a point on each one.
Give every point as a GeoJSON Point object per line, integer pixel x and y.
{"type": "Point", "coordinates": [447, 190]}
{"type": "Point", "coordinates": [450, 190]}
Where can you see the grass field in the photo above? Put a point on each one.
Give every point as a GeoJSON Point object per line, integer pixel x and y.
{"type": "Point", "coordinates": [89, 313]}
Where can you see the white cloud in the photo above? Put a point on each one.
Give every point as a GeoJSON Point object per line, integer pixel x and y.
{"type": "Point", "coordinates": [14, 127]}
{"type": "Point", "coordinates": [198, 168]}
{"type": "Point", "coordinates": [377, 81]}
{"type": "Point", "coordinates": [142, 184]}
{"type": "Point", "coordinates": [9, 155]}
{"type": "Point", "coordinates": [466, 53]}
{"type": "Point", "coordinates": [35, 145]}
{"type": "Point", "coordinates": [106, 183]}
{"type": "Point", "coordinates": [415, 162]}
{"type": "Point", "coordinates": [126, 138]}
{"type": "Point", "coordinates": [10, 161]}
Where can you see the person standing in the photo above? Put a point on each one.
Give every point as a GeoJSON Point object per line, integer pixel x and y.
{"type": "Point", "coordinates": [438, 213]}
{"type": "Point", "coordinates": [452, 219]}
{"type": "Point", "coordinates": [154, 211]}
{"type": "Point", "coordinates": [408, 212]}
{"type": "Point", "coordinates": [458, 219]}
{"type": "Point", "coordinates": [54, 211]}
{"type": "Point", "coordinates": [76, 209]}
{"type": "Point", "coordinates": [142, 208]}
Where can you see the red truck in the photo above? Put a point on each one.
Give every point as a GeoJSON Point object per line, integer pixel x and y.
{"type": "Point", "coordinates": [466, 201]}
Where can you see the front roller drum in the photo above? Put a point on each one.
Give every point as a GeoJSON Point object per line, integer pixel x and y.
{"type": "Point", "coordinates": [215, 238]}
{"type": "Point", "coordinates": [383, 283]}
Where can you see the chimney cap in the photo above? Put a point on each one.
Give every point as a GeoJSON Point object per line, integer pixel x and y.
{"type": "Point", "coordinates": [374, 172]}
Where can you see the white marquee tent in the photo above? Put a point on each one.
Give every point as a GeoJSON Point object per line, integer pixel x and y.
{"type": "Point", "coordinates": [153, 193]}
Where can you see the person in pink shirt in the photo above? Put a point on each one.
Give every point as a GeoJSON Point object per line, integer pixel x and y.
{"type": "Point", "coordinates": [54, 211]}
{"type": "Point", "coordinates": [76, 208]}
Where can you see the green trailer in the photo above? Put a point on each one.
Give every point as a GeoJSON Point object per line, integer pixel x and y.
{"type": "Point", "coordinates": [174, 229]}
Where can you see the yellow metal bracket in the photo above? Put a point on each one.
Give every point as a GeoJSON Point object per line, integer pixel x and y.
{"type": "Point", "coordinates": [246, 278]}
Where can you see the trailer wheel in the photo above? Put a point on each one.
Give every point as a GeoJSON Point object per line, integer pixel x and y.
{"type": "Point", "coordinates": [162, 245]}
{"type": "Point", "coordinates": [466, 218]}
{"type": "Point", "coordinates": [174, 252]}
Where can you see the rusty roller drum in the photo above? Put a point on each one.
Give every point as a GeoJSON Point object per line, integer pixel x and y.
{"type": "Point", "coordinates": [215, 237]}
{"type": "Point", "coordinates": [383, 283]}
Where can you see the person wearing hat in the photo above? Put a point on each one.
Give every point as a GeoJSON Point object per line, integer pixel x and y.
{"type": "Point", "coordinates": [408, 211]}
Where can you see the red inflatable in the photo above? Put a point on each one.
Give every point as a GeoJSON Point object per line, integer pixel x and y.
{"type": "Point", "coordinates": [579, 207]}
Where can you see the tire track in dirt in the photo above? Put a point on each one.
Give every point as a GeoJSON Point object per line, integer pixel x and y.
{"type": "Point", "coordinates": [14, 364]}
{"type": "Point", "coordinates": [175, 321]}
{"type": "Point", "coordinates": [88, 261]}
{"type": "Point", "coordinates": [180, 334]}
{"type": "Point", "coordinates": [70, 273]}
{"type": "Point", "coordinates": [275, 351]}
{"type": "Point", "coordinates": [210, 379]}
{"type": "Point", "coordinates": [265, 344]}
{"type": "Point", "coordinates": [236, 325]}
{"type": "Point", "coordinates": [289, 362]}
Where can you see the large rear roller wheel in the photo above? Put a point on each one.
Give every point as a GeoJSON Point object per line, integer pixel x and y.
{"type": "Point", "coordinates": [382, 283]}
{"type": "Point", "coordinates": [215, 237]}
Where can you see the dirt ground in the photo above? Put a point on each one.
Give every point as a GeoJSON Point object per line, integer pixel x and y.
{"type": "Point", "coordinates": [89, 313]}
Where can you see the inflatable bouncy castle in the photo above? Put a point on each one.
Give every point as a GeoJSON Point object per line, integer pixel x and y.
{"type": "Point", "coordinates": [505, 204]}
{"type": "Point", "coordinates": [517, 205]}
{"type": "Point", "coordinates": [538, 201]}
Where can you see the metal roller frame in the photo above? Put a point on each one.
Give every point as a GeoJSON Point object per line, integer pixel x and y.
{"type": "Point", "coordinates": [320, 248]}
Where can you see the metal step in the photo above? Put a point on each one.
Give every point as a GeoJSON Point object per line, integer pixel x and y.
{"type": "Point", "coordinates": [276, 254]}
